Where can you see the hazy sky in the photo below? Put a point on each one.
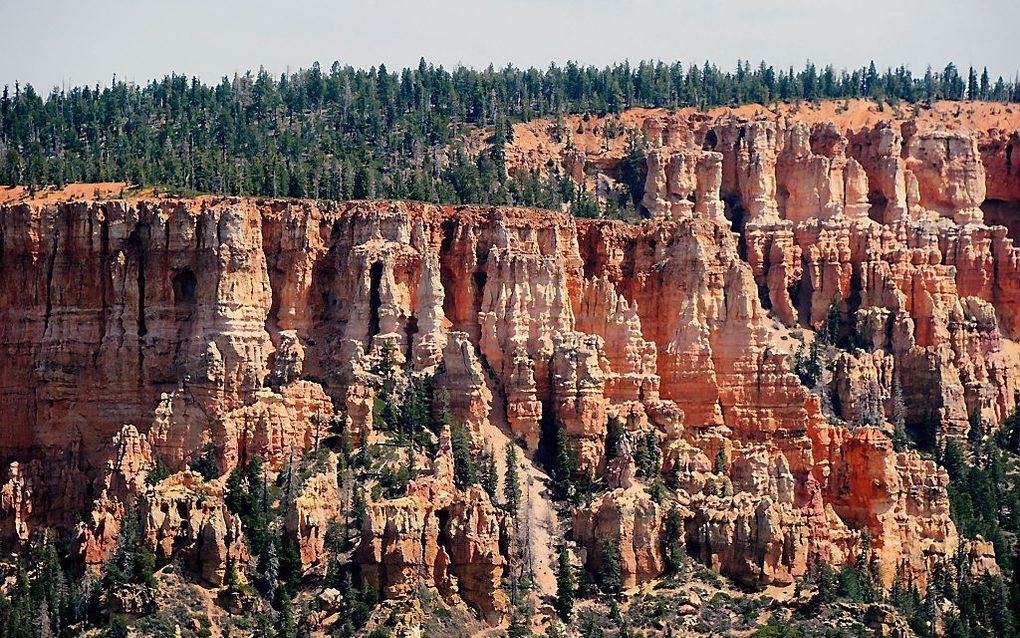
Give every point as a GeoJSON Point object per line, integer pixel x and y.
{"type": "Point", "coordinates": [49, 42]}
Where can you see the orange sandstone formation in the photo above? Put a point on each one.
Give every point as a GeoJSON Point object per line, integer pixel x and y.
{"type": "Point", "coordinates": [142, 333]}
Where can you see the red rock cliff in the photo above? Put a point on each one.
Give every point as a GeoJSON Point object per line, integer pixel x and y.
{"type": "Point", "coordinates": [147, 331]}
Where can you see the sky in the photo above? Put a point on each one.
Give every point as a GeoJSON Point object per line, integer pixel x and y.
{"type": "Point", "coordinates": [52, 43]}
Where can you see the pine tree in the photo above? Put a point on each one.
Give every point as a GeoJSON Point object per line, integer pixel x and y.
{"type": "Point", "coordinates": [555, 630]}
{"type": "Point", "coordinates": [953, 459]}
{"type": "Point", "coordinates": [719, 465]}
{"type": "Point", "coordinates": [489, 477]}
{"type": "Point", "coordinates": [973, 89]}
{"type": "Point", "coordinates": [565, 463]}
{"type": "Point", "coordinates": [647, 456]}
{"type": "Point", "coordinates": [610, 576]}
{"type": "Point", "coordinates": [565, 585]}
{"type": "Point", "coordinates": [499, 141]}
{"type": "Point", "coordinates": [900, 438]}
{"type": "Point", "coordinates": [634, 168]}
{"type": "Point", "coordinates": [131, 563]}
{"type": "Point", "coordinates": [247, 497]}
{"type": "Point", "coordinates": [465, 470]}
{"type": "Point", "coordinates": [359, 509]}
{"type": "Point", "coordinates": [43, 623]}
{"type": "Point", "coordinates": [518, 627]}
{"type": "Point", "coordinates": [118, 629]}
{"type": "Point", "coordinates": [674, 552]}
{"type": "Point", "coordinates": [827, 585]}
{"type": "Point", "coordinates": [872, 83]}
{"type": "Point", "coordinates": [290, 562]}
{"type": "Point", "coordinates": [869, 591]}
{"type": "Point", "coordinates": [511, 482]}
{"type": "Point", "coordinates": [286, 627]}
{"type": "Point", "coordinates": [590, 627]}
{"type": "Point", "coordinates": [268, 580]}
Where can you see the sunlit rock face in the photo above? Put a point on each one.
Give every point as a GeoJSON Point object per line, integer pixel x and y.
{"type": "Point", "coordinates": [145, 335]}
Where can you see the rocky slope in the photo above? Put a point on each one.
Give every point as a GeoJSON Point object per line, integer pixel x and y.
{"type": "Point", "coordinates": [142, 334]}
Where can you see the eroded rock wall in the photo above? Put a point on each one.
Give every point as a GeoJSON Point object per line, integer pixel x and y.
{"type": "Point", "coordinates": [143, 332]}
{"type": "Point", "coordinates": [882, 228]}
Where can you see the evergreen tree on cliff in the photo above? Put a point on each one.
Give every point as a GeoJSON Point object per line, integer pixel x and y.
{"type": "Point", "coordinates": [565, 585]}
{"type": "Point", "coordinates": [610, 576]}
{"type": "Point", "coordinates": [511, 481]}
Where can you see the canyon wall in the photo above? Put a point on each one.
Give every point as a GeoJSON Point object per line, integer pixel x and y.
{"type": "Point", "coordinates": [882, 228]}
{"type": "Point", "coordinates": [145, 334]}
{"type": "Point", "coordinates": [899, 221]}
